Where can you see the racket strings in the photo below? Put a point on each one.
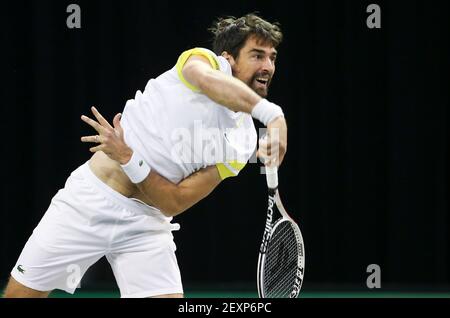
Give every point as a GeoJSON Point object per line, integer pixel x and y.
{"type": "Point", "coordinates": [281, 262]}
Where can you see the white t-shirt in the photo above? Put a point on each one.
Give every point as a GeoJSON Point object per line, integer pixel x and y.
{"type": "Point", "coordinates": [178, 130]}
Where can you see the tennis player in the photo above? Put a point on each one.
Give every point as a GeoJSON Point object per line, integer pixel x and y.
{"type": "Point", "coordinates": [154, 163]}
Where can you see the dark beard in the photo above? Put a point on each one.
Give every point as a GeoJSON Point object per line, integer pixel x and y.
{"type": "Point", "coordinates": [258, 90]}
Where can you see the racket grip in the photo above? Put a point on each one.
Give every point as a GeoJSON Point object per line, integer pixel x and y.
{"type": "Point", "coordinates": [272, 177]}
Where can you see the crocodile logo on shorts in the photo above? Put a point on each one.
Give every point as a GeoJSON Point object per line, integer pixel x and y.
{"type": "Point", "coordinates": [141, 163]}
{"type": "Point", "coordinates": [20, 269]}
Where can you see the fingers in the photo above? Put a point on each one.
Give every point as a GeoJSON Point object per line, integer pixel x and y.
{"type": "Point", "coordinates": [96, 139]}
{"type": "Point", "coordinates": [100, 118]}
{"type": "Point", "coordinates": [269, 151]}
{"type": "Point", "coordinates": [266, 158]}
{"type": "Point", "coordinates": [92, 123]}
{"type": "Point", "coordinates": [268, 147]}
{"type": "Point", "coordinates": [116, 122]}
{"type": "Point", "coordinates": [99, 126]}
{"type": "Point", "coordinates": [97, 148]}
{"type": "Point", "coordinates": [269, 160]}
{"type": "Point", "coordinates": [274, 145]}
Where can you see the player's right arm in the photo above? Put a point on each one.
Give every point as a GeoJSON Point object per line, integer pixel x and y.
{"type": "Point", "coordinates": [220, 87]}
{"type": "Point", "coordinates": [199, 73]}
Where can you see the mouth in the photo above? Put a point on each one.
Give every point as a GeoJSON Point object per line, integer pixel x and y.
{"type": "Point", "coordinates": [261, 82]}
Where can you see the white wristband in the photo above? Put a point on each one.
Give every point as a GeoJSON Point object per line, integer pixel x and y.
{"type": "Point", "coordinates": [136, 169]}
{"type": "Point", "coordinates": [266, 111]}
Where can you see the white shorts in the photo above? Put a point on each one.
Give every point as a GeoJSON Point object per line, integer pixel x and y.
{"type": "Point", "coordinates": [88, 220]}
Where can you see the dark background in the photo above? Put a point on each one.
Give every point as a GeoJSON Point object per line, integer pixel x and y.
{"type": "Point", "coordinates": [366, 173]}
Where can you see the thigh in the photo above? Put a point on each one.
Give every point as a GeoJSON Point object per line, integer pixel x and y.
{"type": "Point", "coordinates": [72, 235]}
{"type": "Point", "coordinates": [42, 268]}
{"type": "Point", "coordinates": [14, 289]}
{"type": "Point", "coordinates": [147, 273]}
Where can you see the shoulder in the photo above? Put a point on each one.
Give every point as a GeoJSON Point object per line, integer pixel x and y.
{"type": "Point", "coordinates": [216, 62]}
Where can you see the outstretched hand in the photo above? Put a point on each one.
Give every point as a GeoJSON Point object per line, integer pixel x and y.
{"type": "Point", "coordinates": [110, 138]}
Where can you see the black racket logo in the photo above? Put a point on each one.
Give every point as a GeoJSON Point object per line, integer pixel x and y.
{"type": "Point", "coordinates": [268, 228]}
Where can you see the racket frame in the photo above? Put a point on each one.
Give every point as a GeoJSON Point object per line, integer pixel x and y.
{"type": "Point", "coordinates": [274, 200]}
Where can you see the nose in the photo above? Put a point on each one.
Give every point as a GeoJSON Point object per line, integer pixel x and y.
{"type": "Point", "coordinates": [268, 65]}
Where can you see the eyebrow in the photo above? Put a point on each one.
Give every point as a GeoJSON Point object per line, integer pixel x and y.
{"type": "Point", "coordinates": [262, 51]}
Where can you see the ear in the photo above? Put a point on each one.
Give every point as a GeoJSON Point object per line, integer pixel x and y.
{"type": "Point", "coordinates": [228, 57]}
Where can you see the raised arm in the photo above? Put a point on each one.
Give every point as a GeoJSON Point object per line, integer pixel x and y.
{"type": "Point", "coordinates": [198, 73]}
{"type": "Point", "coordinates": [220, 87]}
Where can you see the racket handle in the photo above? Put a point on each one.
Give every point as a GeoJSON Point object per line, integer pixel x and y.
{"type": "Point", "coordinates": [272, 177]}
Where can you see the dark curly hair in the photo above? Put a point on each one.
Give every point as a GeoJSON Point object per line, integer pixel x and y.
{"type": "Point", "coordinates": [230, 33]}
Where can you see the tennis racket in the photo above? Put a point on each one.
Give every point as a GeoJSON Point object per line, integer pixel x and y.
{"type": "Point", "coordinates": [281, 261]}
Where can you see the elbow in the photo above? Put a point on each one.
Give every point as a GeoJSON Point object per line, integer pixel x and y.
{"type": "Point", "coordinates": [172, 208]}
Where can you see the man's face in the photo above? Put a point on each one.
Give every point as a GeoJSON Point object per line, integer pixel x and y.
{"type": "Point", "coordinates": [255, 65]}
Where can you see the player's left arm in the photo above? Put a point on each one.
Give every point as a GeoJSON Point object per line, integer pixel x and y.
{"type": "Point", "coordinates": [172, 199]}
